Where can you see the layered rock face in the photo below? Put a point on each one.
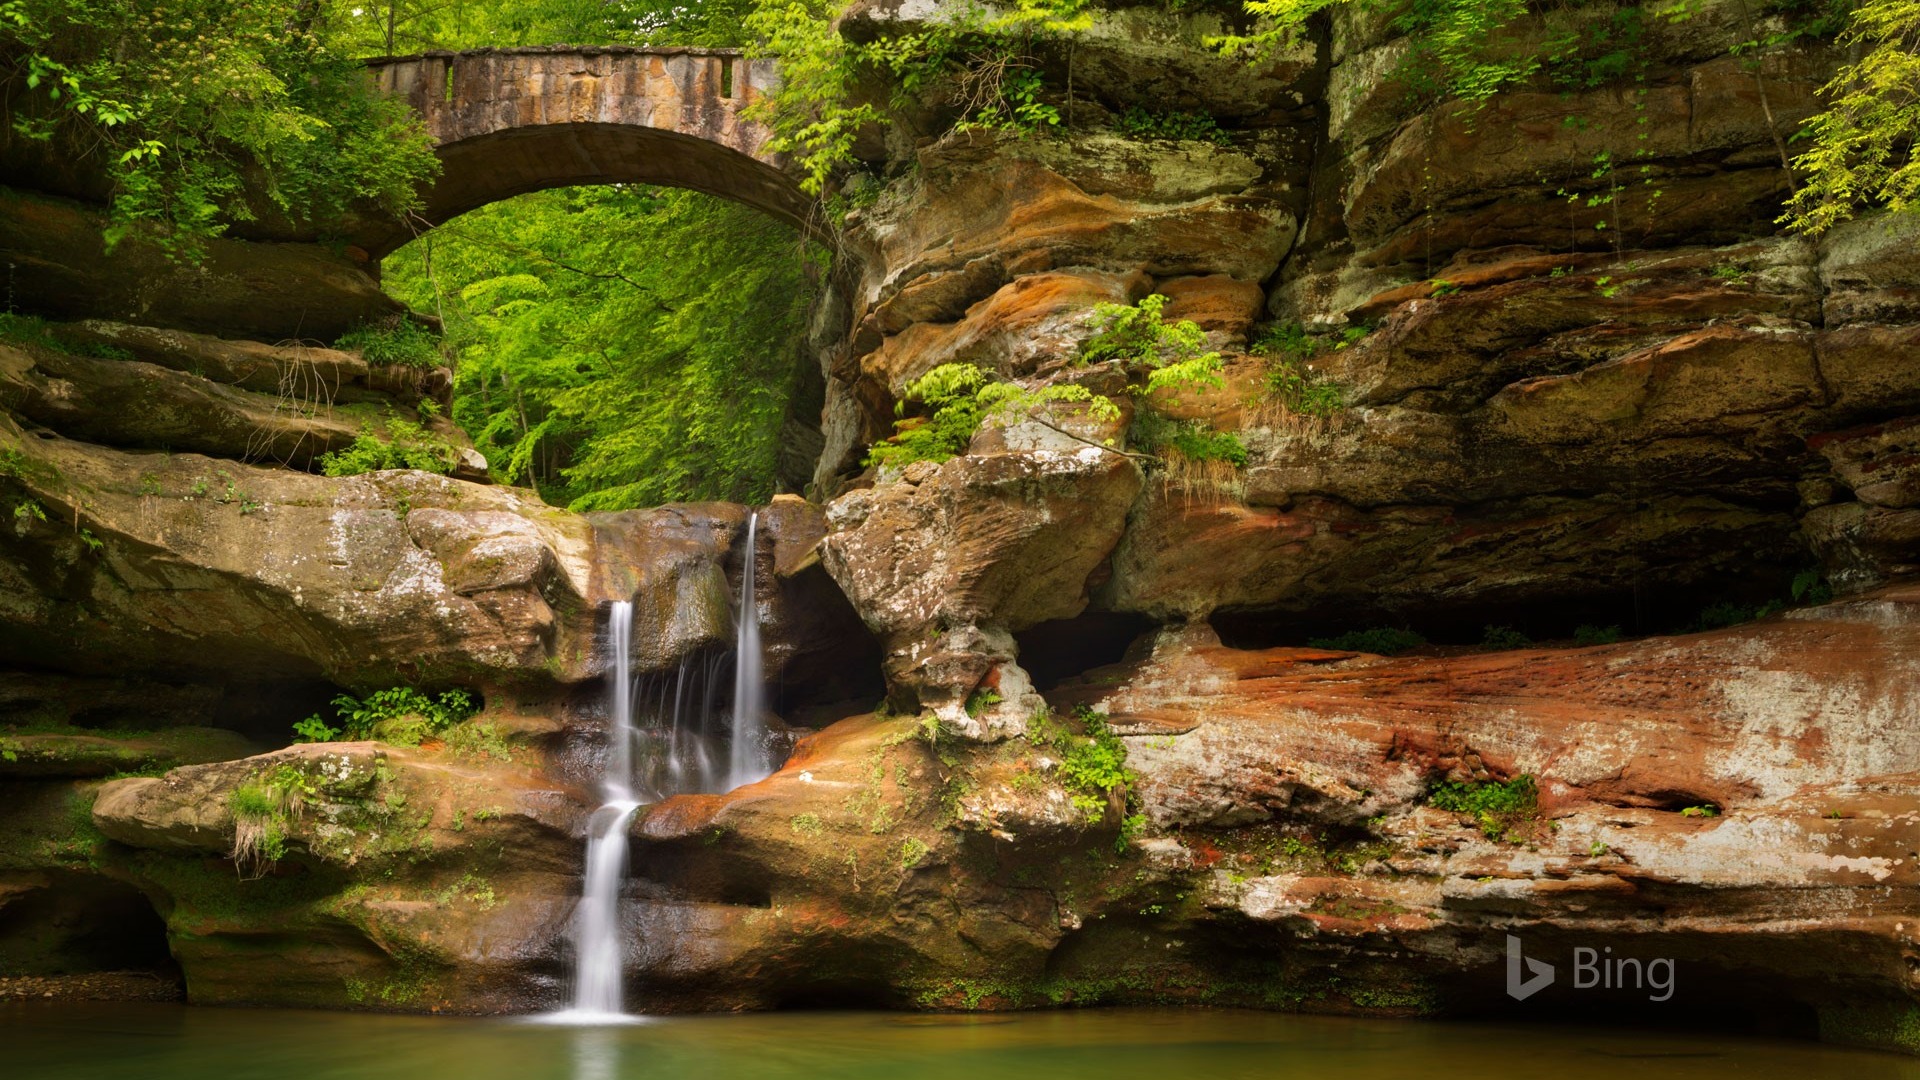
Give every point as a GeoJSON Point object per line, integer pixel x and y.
{"type": "Point", "coordinates": [1567, 386]}
{"type": "Point", "coordinates": [1739, 802]}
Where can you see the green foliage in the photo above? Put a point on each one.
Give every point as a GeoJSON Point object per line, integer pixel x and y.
{"type": "Point", "coordinates": [1176, 354]}
{"type": "Point", "coordinates": [980, 64]}
{"type": "Point", "coordinates": [198, 110]}
{"type": "Point", "coordinates": [621, 346]}
{"type": "Point", "coordinates": [1504, 637]}
{"type": "Point", "coordinates": [1171, 124]}
{"type": "Point", "coordinates": [1485, 796]}
{"type": "Point", "coordinates": [1865, 147]}
{"type": "Point", "coordinates": [410, 447]}
{"type": "Point", "coordinates": [1295, 386]}
{"type": "Point", "coordinates": [1505, 809]}
{"type": "Point", "coordinates": [400, 715]}
{"type": "Point", "coordinates": [955, 399]}
{"type": "Point", "coordinates": [37, 332]}
{"type": "Point", "coordinates": [1095, 766]}
{"type": "Point", "coordinates": [314, 729]}
{"type": "Point", "coordinates": [1381, 640]}
{"type": "Point", "coordinates": [1291, 380]}
{"type": "Point", "coordinates": [263, 810]}
{"type": "Point", "coordinates": [1810, 586]}
{"type": "Point", "coordinates": [1192, 440]}
{"type": "Point", "coordinates": [912, 851]}
{"type": "Point", "coordinates": [1588, 634]}
{"type": "Point", "coordinates": [980, 701]}
{"type": "Point", "coordinates": [401, 341]}
{"type": "Point", "coordinates": [477, 739]}
{"type": "Point", "coordinates": [1703, 810]}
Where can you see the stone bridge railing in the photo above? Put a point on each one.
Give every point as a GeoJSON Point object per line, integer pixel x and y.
{"type": "Point", "coordinates": [510, 121]}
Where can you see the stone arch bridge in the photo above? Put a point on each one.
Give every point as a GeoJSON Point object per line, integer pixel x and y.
{"type": "Point", "coordinates": [509, 121]}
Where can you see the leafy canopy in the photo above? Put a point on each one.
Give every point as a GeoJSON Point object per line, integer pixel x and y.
{"type": "Point", "coordinates": [621, 346]}
{"type": "Point", "coordinates": [199, 113]}
{"type": "Point", "coordinates": [1865, 148]}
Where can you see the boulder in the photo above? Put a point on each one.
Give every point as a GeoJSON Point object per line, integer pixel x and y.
{"type": "Point", "coordinates": [944, 562]}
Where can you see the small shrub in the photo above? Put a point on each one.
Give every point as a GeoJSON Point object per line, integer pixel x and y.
{"type": "Point", "coordinates": [313, 729]}
{"type": "Point", "coordinates": [1588, 634]}
{"type": "Point", "coordinates": [980, 701]}
{"type": "Point", "coordinates": [1505, 809]}
{"type": "Point", "coordinates": [1193, 440]}
{"type": "Point", "coordinates": [1095, 766]}
{"type": "Point", "coordinates": [960, 397]}
{"type": "Point", "coordinates": [1176, 353]}
{"type": "Point", "coordinates": [1504, 637]}
{"type": "Point", "coordinates": [1170, 124]}
{"type": "Point", "coordinates": [1811, 587]}
{"type": "Point", "coordinates": [401, 341]}
{"type": "Point", "coordinates": [1291, 380]}
{"type": "Point", "coordinates": [1383, 640]}
{"type": "Point", "coordinates": [400, 715]}
{"type": "Point", "coordinates": [1703, 810]}
{"type": "Point", "coordinates": [912, 851]}
{"type": "Point", "coordinates": [410, 447]}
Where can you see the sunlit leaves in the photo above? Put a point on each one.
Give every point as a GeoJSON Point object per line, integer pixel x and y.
{"type": "Point", "coordinates": [1865, 148]}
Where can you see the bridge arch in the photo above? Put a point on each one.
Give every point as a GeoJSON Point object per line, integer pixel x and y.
{"type": "Point", "coordinates": [509, 121]}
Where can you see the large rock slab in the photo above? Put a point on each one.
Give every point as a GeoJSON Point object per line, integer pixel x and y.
{"type": "Point", "coordinates": [269, 292]}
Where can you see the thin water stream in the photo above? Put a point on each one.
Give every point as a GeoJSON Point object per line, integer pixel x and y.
{"type": "Point", "coordinates": [677, 731]}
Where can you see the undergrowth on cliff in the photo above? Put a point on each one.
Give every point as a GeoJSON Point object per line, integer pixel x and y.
{"type": "Point", "coordinates": [1170, 124]}
{"type": "Point", "coordinates": [400, 715]}
{"type": "Point", "coordinates": [1093, 766]}
{"type": "Point", "coordinates": [36, 332]}
{"type": "Point", "coordinates": [1861, 150]}
{"type": "Point", "coordinates": [408, 446]}
{"type": "Point", "coordinates": [953, 400]}
{"type": "Point", "coordinates": [1504, 809]}
{"type": "Point", "coordinates": [1292, 381]}
{"type": "Point", "coordinates": [263, 810]}
{"type": "Point", "coordinates": [976, 63]}
{"type": "Point", "coordinates": [401, 341]}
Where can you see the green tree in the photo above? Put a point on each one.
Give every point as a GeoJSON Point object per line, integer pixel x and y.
{"type": "Point", "coordinates": [200, 113]}
{"type": "Point", "coordinates": [1866, 145]}
{"type": "Point", "coordinates": [620, 346]}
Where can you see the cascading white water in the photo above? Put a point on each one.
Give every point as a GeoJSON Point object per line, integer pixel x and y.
{"type": "Point", "coordinates": [749, 761]}
{"type": "Point", "coordinates": [676, 757]}
{"type": "Point", "coordinates": [598, 945]}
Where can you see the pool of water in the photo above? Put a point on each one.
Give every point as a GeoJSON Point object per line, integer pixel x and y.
{"type": "Point", "coordinates": [173, 1042]}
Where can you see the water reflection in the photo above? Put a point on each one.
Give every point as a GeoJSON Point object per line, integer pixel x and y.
{"type": "Point", "coordinates": [596, 1053]}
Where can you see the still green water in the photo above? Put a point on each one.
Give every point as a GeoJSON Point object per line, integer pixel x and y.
{"type": "Point", "coordinates": [173, 1042]}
